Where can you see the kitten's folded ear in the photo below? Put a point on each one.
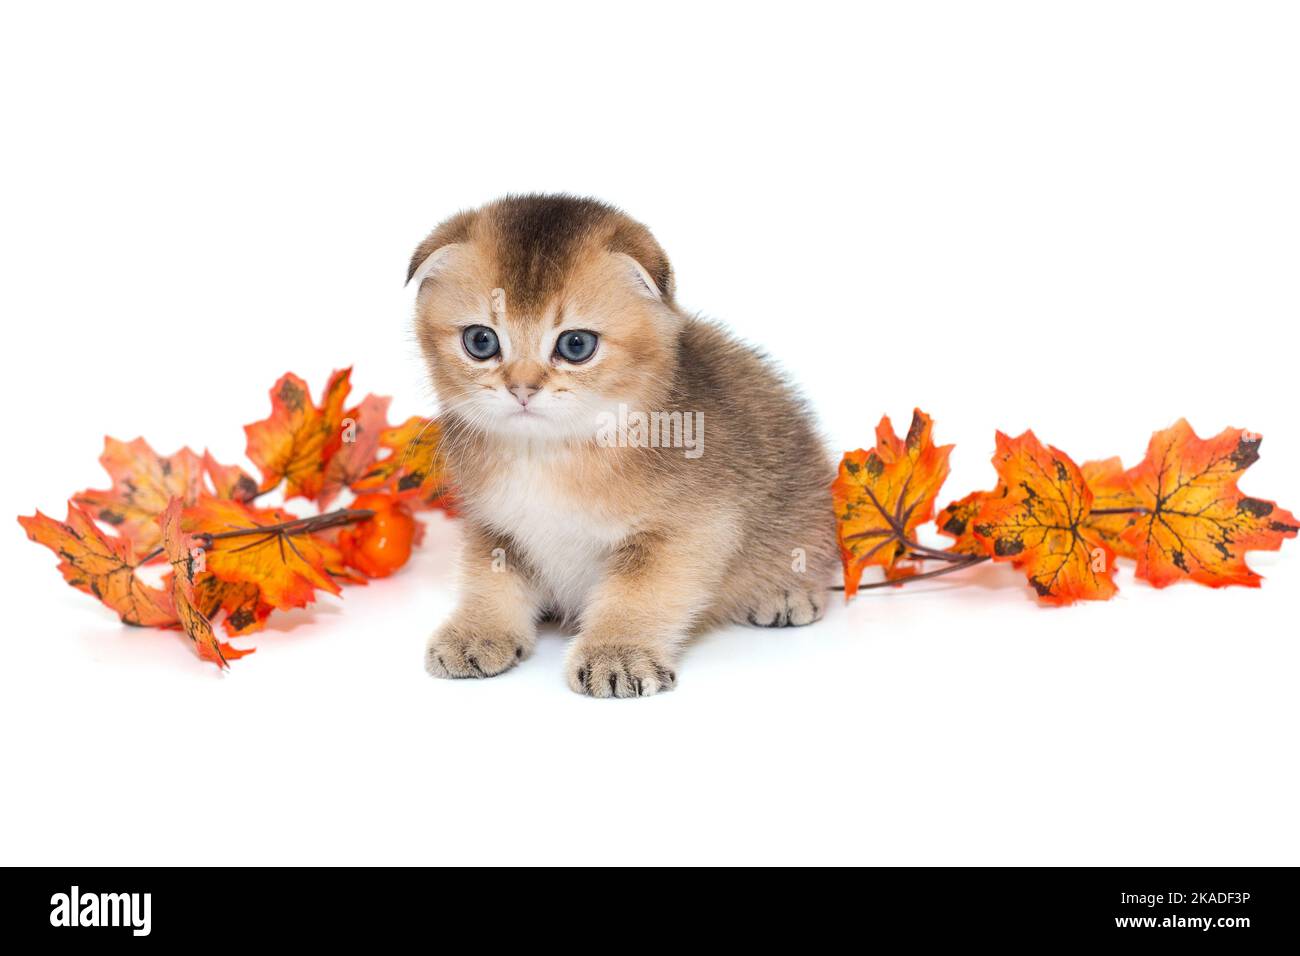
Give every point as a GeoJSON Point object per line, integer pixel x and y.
{"type": "Point", "coordinates": [421, 269]}
{"type": "Point", "coordinates": [433, 252]}
{"type": "Point", "coordinates": [640, 275]}
{"type": "Point", "coordinates": [633, 242]}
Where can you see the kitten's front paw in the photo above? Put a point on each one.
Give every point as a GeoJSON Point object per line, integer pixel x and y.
{"type": "Point", "coordinates": [617, 669]}
{"type": "Point", "coordinates": [788, 609]}
{"type": "Point", "coordinates": [467, 650]}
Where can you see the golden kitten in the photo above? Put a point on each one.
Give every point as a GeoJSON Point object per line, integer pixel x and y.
{"type": "Point", "coordinates": [621, 465]}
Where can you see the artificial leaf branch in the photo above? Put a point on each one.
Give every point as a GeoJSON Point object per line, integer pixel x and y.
{"type": "Point", "coordinates": [284, 531]}
{"type": "Point", "coordinates": [1178, 513]}
{"type": "Point", "coordinates": [231, 558]}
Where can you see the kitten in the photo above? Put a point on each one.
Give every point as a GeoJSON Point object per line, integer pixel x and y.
{"type": "Point", "coordinates": [620, 464]}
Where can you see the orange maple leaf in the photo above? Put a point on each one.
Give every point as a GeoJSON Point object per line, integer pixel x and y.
{"type": "Point", "coordinates": [1039, 526]}
{"type": "Point", "coordinates": [184, 552]}
{"type": "Point", "coordinates": [901, 570]}
{"type": "Point", "coordinates": [882, 495]}
{"type": "Point", "coordinates": [414, 467]}
{"type": "Point", "coordinates": [101, 565]}
{"type": "Point", "coordinates": [1112, 491]}
{"type": "Point", "coordinates": [286, 567]}
{"type": "Point", "coordinates": [299, 438]}
{"type": "Point", "coordinates": [143, 483]}
{"type": "Point", "coordinates": [1198, 525]}
{"type": "Point", "coordinates": [229, 481]}
{"type": "Point", "coordinates": [362, 428]}
{"type": "Point", "coordinates": [957, 521]}
{"type": "Point", "coordinates": [245, 611]}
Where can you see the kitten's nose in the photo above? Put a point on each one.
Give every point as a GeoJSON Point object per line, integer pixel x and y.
{"type": "Point", "coordinates": [523, 393]}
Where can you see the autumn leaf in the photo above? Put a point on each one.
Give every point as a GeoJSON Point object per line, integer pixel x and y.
{"type": "Point", "coordinates": [298, 440]}
{"type": "Point", "coordinates": [184, 554]}
{"type": "Point", "coordinates": [362, 428]}
{"type": "Point", "coordinates": [143, 483]}
{"type": "Point", "coordinates": [245, 611]}
{"type": "Point", "coordinates": [101, 565]}
{"type": "Point", "coordinates": [229, 481]}
{"type": "Point", "coordinates": [287, 568]}
{"type": "Point", "coordinates": [1112, 491]}
{"type": "Point", "coordinates": [1197, 524]}
{"type": "Point", "coordinates": [414, 466]}
{"type": "Point", "coordinates": [1039, 525]}
{"type": "Point", "coordinates": [882, 495]}
{"type": "Point", "coordinates": [892, 448]}
{"type": "Point", "coordinates": [957, 521]}
{"type": "Point", "coordinates": [336, 563]}
{"type": "Point", "coordinates": [901, 570]}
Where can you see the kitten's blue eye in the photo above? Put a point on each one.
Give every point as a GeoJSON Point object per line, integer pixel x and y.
{"type": "Point", "coordinates": [576, 346]}
{"type": "Point", "coordinates": [480, 342]}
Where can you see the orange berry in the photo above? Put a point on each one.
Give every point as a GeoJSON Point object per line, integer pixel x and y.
{"type": "Point", "coordinates": [379, 545]}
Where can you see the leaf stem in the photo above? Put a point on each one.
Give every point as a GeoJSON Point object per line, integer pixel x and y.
{"type": "Point", "coordinates": [309, 525]}
{"type": "Point", "coordinates": [955, 566]}
{"type": "Point", "coordinates": [951, 557]}
{"type": "Point", "coordinates": [925, 553]}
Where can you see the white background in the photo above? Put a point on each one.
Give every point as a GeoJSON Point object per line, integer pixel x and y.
{"type": "Point", "coordinates": [1079, 218]}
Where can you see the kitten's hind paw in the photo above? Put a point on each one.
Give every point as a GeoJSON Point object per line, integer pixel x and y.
{"type": "Point", "coordinates": [788, 609]}
{"type": "Point", "coordinates": [461, 650]}
{"type": "Point", "coordinates": [617, 669]}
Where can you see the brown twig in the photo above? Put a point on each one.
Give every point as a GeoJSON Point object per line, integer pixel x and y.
{"type": "Point", "coordinates": [309, 525]}
{"type": "Point", "coordinates": [957, 566]}
{"type": "Point", "coordinates": [928, 555]}
{"type": "Point", "coordinates": [964, 562]}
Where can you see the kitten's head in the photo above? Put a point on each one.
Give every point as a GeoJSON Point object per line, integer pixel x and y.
{"type": "Point", "coordinates": [538, 313]}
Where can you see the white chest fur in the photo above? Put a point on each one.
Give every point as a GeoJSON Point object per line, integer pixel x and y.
{"type": "Point", "coordinates": [564, 538]}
